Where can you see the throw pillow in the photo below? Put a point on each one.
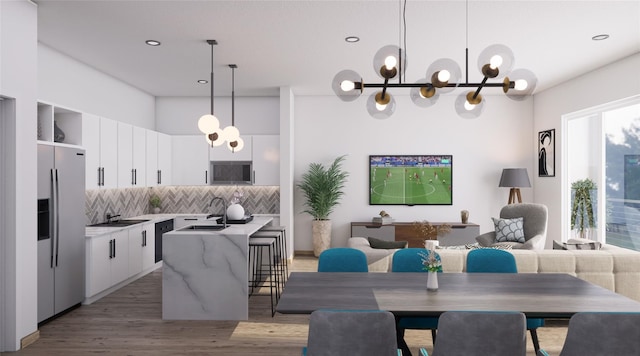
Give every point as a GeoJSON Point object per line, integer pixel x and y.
{"type": "Point", "coordinates": [509, 230]}
{"type": "Point", "coordinates": [383, 244]}
{"type": "Point", "coordinates": [494, 246]}
{"type": "Point", "coordinates": [455, 247]}
{"type": "Point", "coordinates": [595, 245]}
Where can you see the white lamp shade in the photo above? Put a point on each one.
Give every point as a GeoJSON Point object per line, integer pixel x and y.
{"type": "Point", "coordinates": [445, 65]}
{"type": "Point", "coordinates": [338, 85]}
{"type": "Point", "coordinates": [208, 123]}
{"type": "Point", "coordinates": [381, 59]}
{"type": "Point", "coordinates": [525, 84]}
{"type": "Point", "coordinates": [381, 111]}
{"type": "Point", "coordinates": [467, 110]}
{"type": "Point", "coordinates": [231, 133]}
{"type": "Point", "coordinates": [497, 54]}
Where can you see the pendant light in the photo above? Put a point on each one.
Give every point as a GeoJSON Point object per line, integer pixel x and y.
{"type": "Point", "coordinates": [231, 133]}
{"type": "Point", "coordinates": [209, 123]}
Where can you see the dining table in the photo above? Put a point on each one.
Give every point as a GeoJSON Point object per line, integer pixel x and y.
{"type": "Point", "coordinates": [537, 295]}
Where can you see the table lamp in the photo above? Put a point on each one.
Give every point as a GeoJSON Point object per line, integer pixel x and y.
{"type": "Point", "coordinates": [514, 178]}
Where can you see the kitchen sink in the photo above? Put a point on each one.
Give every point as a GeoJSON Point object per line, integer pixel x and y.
{"type": "Point", "coordinates": [203, 227]}
{"type": "Point", "coordinates": [120, 223]}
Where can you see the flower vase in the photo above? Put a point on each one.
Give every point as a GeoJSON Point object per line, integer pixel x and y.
{"type": "Point", "coordinates": [432, 281]}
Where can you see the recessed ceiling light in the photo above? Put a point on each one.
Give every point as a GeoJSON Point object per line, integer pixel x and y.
{"type": "Point", "coordinates": [601, 37]}
{"type": "Point", "coordinates": [152, 42]}
{"type": "Point", "coordinates": [203, 81]}
{"type": "Point", "coordinates": [352, 39]}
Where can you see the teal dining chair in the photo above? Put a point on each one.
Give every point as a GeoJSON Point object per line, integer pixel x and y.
{"type": "Point", "coordinates": [410, 260]}
{"type": "Point", "coordinates": [351, 333]}
{"type": "Point", "coordinates": [491, 260]}
{"type": "Point", "coordinates": [342, 259]}
{"type": "Point", "coordinates": [592, 334]}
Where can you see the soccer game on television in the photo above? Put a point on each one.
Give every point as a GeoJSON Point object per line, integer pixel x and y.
{"type": "Point", "coordinates": [410, 180]}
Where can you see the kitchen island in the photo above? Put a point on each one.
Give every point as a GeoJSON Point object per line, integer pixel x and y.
{"type": "Point", "coordinates": [205, 273]}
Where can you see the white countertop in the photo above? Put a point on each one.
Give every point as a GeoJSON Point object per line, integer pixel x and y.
{"type": "Point", "coordinates": [240, 229]}
{"type": "Point", "coordinates": [91, 231]}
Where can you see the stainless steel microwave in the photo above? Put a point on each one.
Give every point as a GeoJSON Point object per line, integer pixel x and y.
{"type": "Point", "coordinates": [231, 172]}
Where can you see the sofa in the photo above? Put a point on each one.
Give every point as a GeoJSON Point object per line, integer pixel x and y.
{"type": "Point", "coordinates": [612, 267]}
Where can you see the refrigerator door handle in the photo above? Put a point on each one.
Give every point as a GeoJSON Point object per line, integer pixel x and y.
{"type": "Point", "coordinates": [57, 212]}
{"type": "Point", "coordinates": [52, 219]}
{"type": "Point", "coordinates": [159, 176]}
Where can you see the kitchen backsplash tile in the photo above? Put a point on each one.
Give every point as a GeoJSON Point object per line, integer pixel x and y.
{"type": "Point", "coordinates": [129, 202]}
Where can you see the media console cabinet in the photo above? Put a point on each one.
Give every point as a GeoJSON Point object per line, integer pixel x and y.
{"type": "Point", "coordinates": [460, 234]}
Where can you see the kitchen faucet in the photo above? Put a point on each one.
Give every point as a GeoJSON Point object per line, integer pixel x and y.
{"type": "Point", "coordinates": [224, 212]}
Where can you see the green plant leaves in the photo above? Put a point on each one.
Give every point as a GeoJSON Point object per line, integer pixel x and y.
{"type": "Point", "coordinates": [323, 188]}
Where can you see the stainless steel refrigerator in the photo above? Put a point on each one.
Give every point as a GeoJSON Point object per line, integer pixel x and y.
{"type": "Point", "coordinates": [61, 229]}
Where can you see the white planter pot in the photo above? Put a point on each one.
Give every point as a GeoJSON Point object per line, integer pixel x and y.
{"type": "Point", "coordinates": [321, 236]}
{"type": "Point", "coordinates": [235, 212]}
{"type": "Point", "coordinates": [431, 244]}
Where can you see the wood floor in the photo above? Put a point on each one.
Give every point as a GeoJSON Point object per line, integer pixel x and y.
{"type": "Point", "coordinates": [129, 322]}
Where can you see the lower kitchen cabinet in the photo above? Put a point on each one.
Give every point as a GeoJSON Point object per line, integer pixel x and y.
{"type": "Point", "coordinates": [148, 246]}
{"type": "Point", "coordinates": [107, 260]}
{"type": "Point", "coordinates": [136, 240]}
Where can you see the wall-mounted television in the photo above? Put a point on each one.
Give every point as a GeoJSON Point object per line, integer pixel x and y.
{"type": "Point", "coordinates": [410, 180]}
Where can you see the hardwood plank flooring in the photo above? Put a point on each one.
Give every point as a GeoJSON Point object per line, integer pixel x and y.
{"type": "Point", "coordinates": [129, 322]}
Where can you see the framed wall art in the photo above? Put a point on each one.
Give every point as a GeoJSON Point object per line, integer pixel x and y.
{"type": "Point", "coordinates": [547, 153]}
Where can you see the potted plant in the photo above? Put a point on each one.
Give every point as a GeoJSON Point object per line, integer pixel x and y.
{"type": "Point", "coordinates": [322, 188]}
{"type": "Point", "coordinates": [582, 208]}
{"type": "Point", "coordinates": [155, 201]}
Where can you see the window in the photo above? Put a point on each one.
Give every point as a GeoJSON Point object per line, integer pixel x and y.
{"type": "Point", "coordinates": [603, 144]}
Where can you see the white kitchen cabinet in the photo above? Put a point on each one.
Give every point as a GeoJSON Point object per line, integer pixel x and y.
{"type": "Point", "coordinates": [135, 250]}
{"type": "Point", "coordinates": [158, 159]}
{"type": "Point", "coordinates": [131, 156]}
{"type": "Point", "coordinates": [108, 261]}
{"type": "Point", "coordinates": [164, 159]}
{"type": "Point", "coordinates": [223, 153]}
{"type": "Point", "coordinates": [190, 161]}
{"type": "Point", "coordinates": [266, 159]}
{"type": "Point", "coordinates": [99, 138]}
{"type": "Point", "coordinates": [148, 246]}
{"type": "Point", "coordinates": [53, 117]}
{"type": "Point", "coordinates": [153, 172]}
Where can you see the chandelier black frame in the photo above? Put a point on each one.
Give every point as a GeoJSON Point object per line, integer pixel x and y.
{"type": "Point", "coordinates": [442, 76]}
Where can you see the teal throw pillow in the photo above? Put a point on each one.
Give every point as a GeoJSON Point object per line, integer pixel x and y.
{"type": "Point", "coordinates": [509, 230]}
{"type": "Point", "coordinates": [383, 244]}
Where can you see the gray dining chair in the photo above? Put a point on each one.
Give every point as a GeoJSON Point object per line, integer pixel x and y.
{"type": "Point", "coordinates": [473, 333]}
{"type": "Point", "coordinates": [351, 333]}
{"type": "Point", "coordinates": [596, 334]}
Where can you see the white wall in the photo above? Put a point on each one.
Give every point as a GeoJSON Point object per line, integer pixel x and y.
{"type": "Point", "coordinates": [253, 115]}
{"type": "Point", "coordinates": [67, 82]}
{"type": "Point", "coordinates": [615, 81]}
{"type": "Point", "coordinates": [326, 127]}
{"type": "Point", "coordinates": [18, 262]}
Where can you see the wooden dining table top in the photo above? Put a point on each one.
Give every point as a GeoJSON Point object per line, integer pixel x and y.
{"type": "Point", "coordinates": [545, 295]}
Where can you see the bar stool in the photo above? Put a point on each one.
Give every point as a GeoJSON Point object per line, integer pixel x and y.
{"type": "Point", "coordinates": [283, 234]}
{"type": "Point", "coordinates": [279, 266]}
{"type": "Point", "coordinates": [259, 275]}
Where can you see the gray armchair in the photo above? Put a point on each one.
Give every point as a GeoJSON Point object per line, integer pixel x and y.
{"type": "Point", "coordinates": [534, 226]}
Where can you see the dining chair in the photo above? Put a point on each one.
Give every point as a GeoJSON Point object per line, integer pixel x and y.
{"type": "Point", "coordinates": [410, 260]}
{"type": "Point", "coordinates": [472, 333]}
{"type": "Point", "coordinates": [491, 260]}
{"type": "Point", "coordinates": [342, 259]}
{"type": "Point", "coordinates": [351, 333]}
{"type": "Point", "coordinates": [591, 334]}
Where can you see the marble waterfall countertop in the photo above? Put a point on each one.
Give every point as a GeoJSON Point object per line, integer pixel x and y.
{"type": "Point", "coordinates": [205, 273]}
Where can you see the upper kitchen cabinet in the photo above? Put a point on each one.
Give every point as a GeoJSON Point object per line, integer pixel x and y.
{"type": "Point", "coordinates": [131, 156]}
{"type": "Point", "coordinates": [164, 159]}
{"type": "Point", "coordinates": [223, 153]}
{"type": "Point", "coordinates": [153, 173]}
{"type": "Point", "coordinates": [58, 124]}
{"type": "Point", "coordinates": [266, 159]}
{"type": "Point", "coordinates": [190, 160]}
{"type": "Point", "coordinates": [99, 138]}
{"type": "Point", "coordinates": [158, 159]}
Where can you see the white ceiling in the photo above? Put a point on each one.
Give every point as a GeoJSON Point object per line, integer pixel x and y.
{"type": "Point", "coordinates": [301, 43]}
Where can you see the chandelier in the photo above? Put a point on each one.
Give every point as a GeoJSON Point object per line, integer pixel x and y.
{"type": "Point", "coordinates": [210, 125]}
{"type": "Point", "coordinates": [442, 76]}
